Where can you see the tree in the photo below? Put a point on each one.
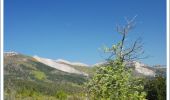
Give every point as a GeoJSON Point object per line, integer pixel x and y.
{"type": "Point", "coordinates": [114, 80]}
{"type": "Point", "coordinates": [120, 50]}
{"type": "Point", "coordinates": [156, 88]}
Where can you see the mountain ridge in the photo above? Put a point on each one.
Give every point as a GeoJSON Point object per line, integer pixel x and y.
{"type": "Point", "coordinates": [75, 67]}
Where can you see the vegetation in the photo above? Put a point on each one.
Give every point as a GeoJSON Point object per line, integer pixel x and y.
{"type": "Point", "coordinates": [26, 79]}
{"type": "Point", "coordinates": [156, 88]}
{"type": "Point", "coordinates": [39, 75]}
{"type": "Point", "coordinates": [114, 81]}
{"type": "Point", "coordinates": [61, 95]}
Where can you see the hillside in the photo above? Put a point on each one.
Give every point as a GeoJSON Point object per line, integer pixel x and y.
{"type": "Point", "coordinates": [61, 65]}
{"type": "Point", "coordinates": [26, 76]}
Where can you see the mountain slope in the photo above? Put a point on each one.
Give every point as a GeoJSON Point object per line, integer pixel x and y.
{"type": "Point", "coordinates": [24, 74]}
{"type": "Point", "coordinates": [25, 66]}
{"type": "Point", "coordinates": [59, 65]}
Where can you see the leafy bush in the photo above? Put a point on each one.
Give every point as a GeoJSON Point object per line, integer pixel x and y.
{"type": "Point", "coordinates": [156, 88]}
{"type": "Point", "coordinates": [115, 82]}
{"type": "Point", "coordinates": [61, 95]}
{"type": "Point", "coordinates": [39, 75]}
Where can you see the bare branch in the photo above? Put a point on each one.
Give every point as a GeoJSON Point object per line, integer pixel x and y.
{"type": "Point", "coordinates": [125, 53]}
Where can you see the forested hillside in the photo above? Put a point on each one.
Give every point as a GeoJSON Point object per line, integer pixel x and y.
{"type": "Point", "coordinates": [27, 78]}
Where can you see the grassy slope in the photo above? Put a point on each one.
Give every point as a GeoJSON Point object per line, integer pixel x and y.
{"type": "Point", "coordinates": [25, 75]}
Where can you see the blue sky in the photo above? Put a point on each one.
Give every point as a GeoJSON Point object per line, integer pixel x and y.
{"type": "Point", "coordinates": [75, 29]}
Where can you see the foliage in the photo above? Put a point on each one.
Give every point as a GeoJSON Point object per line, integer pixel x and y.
{"type": "Point", "coordinates": [156, 88]}
{"type": "Point", "coordinates": [24, 89]}
{"type": "Point", "coordinates": [61, 95]}
{"type": "Point", "coordinates": [39, 75]}
{"type": "Point", "coordinates": [114, 81]}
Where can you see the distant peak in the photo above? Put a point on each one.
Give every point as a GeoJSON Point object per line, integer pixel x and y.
{"type": "Point", "coordinates": [10, 53]}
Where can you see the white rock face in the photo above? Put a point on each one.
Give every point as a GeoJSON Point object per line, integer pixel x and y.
{"type": "Point", "coordinates": [141, 69]}
{"type": "Point", "coordinates": [71, 63]}
{"type": "Point", "coordinates": [59, 66]}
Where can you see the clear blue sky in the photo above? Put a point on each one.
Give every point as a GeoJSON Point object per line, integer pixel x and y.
{"type": "Point", "coordinates": [75, 29]}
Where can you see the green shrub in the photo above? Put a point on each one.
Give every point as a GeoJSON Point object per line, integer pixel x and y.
{"type": "Point", "coordinates": [61, 95]}
{"type": "Point", "coordinates": [156, 88]}
{"type": "Point", "coordinates": [39, 75]}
